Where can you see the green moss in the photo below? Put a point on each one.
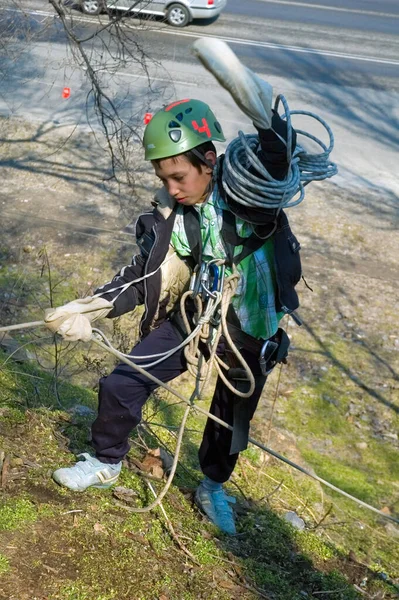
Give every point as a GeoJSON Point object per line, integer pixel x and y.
{"type": "Point", "coordinates": [313, 546]}
{"type": "Point", "coordinates": [157, 538]}
{"type": "Point", "coordinates": [253, 454]}
{"type": "Point", "coordinates": [204, 550]}
{"type": "Point", "coordinates": [16, 513]}
{"type": "Point", "coordinates": [80, 591]}
{"type": "Point", "coordinates": [12, 416]}
{"type": "Point", "coordinates": [356, 481]}
{"type": "Point", "coordinates": [4, 564]}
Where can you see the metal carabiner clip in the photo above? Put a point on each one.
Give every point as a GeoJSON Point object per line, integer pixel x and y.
{"type": "Point", "coordinates": [199, 276]}
{"type": "Point", "coordinates": [267, 351]}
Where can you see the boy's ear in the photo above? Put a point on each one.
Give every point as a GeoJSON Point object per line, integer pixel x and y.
{"type": "Point", "coordinates": [211, 157]}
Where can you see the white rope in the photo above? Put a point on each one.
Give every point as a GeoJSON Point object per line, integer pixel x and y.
{"type": "Point", "coordinates": [125, 286]}
{"type": "Point", "coordinates": [251, 440]}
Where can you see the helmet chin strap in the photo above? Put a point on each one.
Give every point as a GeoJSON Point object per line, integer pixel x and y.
{"type": "Point", "coordinates": [202, 158]}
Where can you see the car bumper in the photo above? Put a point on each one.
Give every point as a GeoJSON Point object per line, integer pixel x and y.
{"type": "Point", "coordinates": [207, 12]}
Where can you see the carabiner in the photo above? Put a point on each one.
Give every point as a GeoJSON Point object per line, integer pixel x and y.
{"type": "Point", "coordinates": [267, 351]}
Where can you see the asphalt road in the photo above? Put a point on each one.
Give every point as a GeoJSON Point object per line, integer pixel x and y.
{"type": "Point", "coordinates": [361, 15]}
{"type": "Point", "coordinates": [347, 75]}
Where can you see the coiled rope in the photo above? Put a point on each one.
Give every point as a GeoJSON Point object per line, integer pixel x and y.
{"type": "Point", "coordinates": [191, 405]}
{"type": "Point", "coordinates": [249, 183]}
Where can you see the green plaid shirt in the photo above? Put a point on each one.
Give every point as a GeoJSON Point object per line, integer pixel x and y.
{"type": "Point", "coordinates": [254, 301]}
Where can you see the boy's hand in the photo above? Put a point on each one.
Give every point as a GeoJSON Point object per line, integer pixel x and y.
{"type": "Point", "coordinates": [73, 320]}
{"type": "Point", "coordinates": [253, 95]}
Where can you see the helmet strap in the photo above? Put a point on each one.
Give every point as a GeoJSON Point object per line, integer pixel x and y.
{"type": "Point", "coordinates": [202, 158]}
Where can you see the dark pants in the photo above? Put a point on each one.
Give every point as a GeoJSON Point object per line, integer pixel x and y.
{"type": "Point", "coordinates": [124, 392]}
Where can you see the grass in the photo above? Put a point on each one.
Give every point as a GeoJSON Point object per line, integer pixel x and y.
{"type": "Point", "coordinates": [16, 513]}
{"type": "Point", "coordinates": [268, 554]}
{"type": "Point", "coordinates": [332, 400]}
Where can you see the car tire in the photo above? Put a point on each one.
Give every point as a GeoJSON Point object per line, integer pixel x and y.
{"type": "Point", "coordinates": [178, 15]}
{"type": "Point", "coordinates": [91, 7]}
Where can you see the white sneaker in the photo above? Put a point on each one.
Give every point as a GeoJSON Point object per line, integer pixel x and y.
{"type": "Point", "coordinates": [89, 472]}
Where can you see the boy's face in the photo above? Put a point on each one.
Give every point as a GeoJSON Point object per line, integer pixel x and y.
{"type": "Point", "coordinates": [182, 180]}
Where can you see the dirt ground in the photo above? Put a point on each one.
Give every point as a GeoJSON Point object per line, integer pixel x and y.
{"type": "Point", "coordinates": [56, 193]}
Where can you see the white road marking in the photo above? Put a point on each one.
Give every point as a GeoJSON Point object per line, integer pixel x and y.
{"type": "Point", "coordinates": [372, 13]}
{"type": "Point", "coordinates": [243, 42]}
{"type": "Point", "coordinates": [298, 49]}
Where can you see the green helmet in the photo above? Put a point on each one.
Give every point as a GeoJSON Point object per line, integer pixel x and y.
{"type": "Point", "coordinates": [179, 127]}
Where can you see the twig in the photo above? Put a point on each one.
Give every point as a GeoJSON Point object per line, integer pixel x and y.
{"type": "Point", "coordinates": [27, 462]}
{"type": "Point", "coordinates": [253, 588]}
{"type": "Point", "coordinates": [276, 489]}
{"type": "Point", "coordinates": [323, 518]}
{"type": "Point", "coordinates": [292, 494]}
{"type": "Point", "coordinates": [171, 529]}
{"type": "Point", "coordinates": [269, 427]}
{"type": "Point", "coordinates": [233, 482]}
{"type": "Point", "coordinates": [331, 591]}
{"type": "Point", "coordinates": [275, 397]}
{"type": "Point", "coordinates": [68, 512]}
{"type": "Point", "coordinates": [170, 428]}
{"type": "Point", "coordinates": [4, 471]}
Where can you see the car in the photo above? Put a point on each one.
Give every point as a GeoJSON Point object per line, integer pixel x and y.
{"type": "Point", "coordinates": [178, 14]}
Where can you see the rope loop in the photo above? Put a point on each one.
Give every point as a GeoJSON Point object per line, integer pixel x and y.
{"type": "Point", "coordinates": [250, 184]}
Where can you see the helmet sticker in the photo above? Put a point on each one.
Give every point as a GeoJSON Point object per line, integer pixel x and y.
{"type": "Point", "coordinates": [179, 127]}
{"type": "Point", "coordinates": [203, 129]}
{"type": "Point", "coordinates": [176, 104]}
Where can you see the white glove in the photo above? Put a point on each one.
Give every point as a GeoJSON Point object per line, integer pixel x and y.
{"type": "Point", "coordinates": [73, 320]}
{"type": "Point", "coordinates": [253, 95]}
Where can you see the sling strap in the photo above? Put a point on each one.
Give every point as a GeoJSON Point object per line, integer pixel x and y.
{"type": "Point", "coordinates": [193, 233]}
{"type": "Point", "coordinates": [250, 244]}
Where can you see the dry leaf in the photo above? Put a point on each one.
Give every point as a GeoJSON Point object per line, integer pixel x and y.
{"type": "Point", "coordinates": [125, 494]}
{"type": "Point", "coordinates": [137, 537]}
{"type": "Point", "coordinates": [153, 465]}
{"type": "Point", "coordinates": [227, 585]}
{"type": "Point", "coordinates": [98, 528]}
{"type": "Point", "coordinates": [385, 510]}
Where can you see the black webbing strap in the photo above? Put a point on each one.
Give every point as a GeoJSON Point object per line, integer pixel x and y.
{"type": "Point", "coordinates": [193, 233]}
{"type": "Point", "coordinates": [232, 239]}
{"type": "Point", "coordinates": [243, 409]}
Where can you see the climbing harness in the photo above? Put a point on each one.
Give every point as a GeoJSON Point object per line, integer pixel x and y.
{"type": "Point", "coordinates": [212, 292]}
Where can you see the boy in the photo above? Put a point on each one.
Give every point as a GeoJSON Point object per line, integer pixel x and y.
{"type": "Point", "coordinates": [200, 221]}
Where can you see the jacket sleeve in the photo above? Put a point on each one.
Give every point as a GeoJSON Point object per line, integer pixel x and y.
{"type": "Point", "coordinates": [273, 151]}
{"type": "Point", "coordinates": [132, 296]}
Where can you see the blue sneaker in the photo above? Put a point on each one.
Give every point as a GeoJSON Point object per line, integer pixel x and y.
{"type": "Point", "coordinates": [216, 505]}
{"type": "Point", "coordinates": [86, 473]}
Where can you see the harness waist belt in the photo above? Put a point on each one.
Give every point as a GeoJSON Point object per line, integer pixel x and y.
{"type": "Point", "coordinates": [244, 340]}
